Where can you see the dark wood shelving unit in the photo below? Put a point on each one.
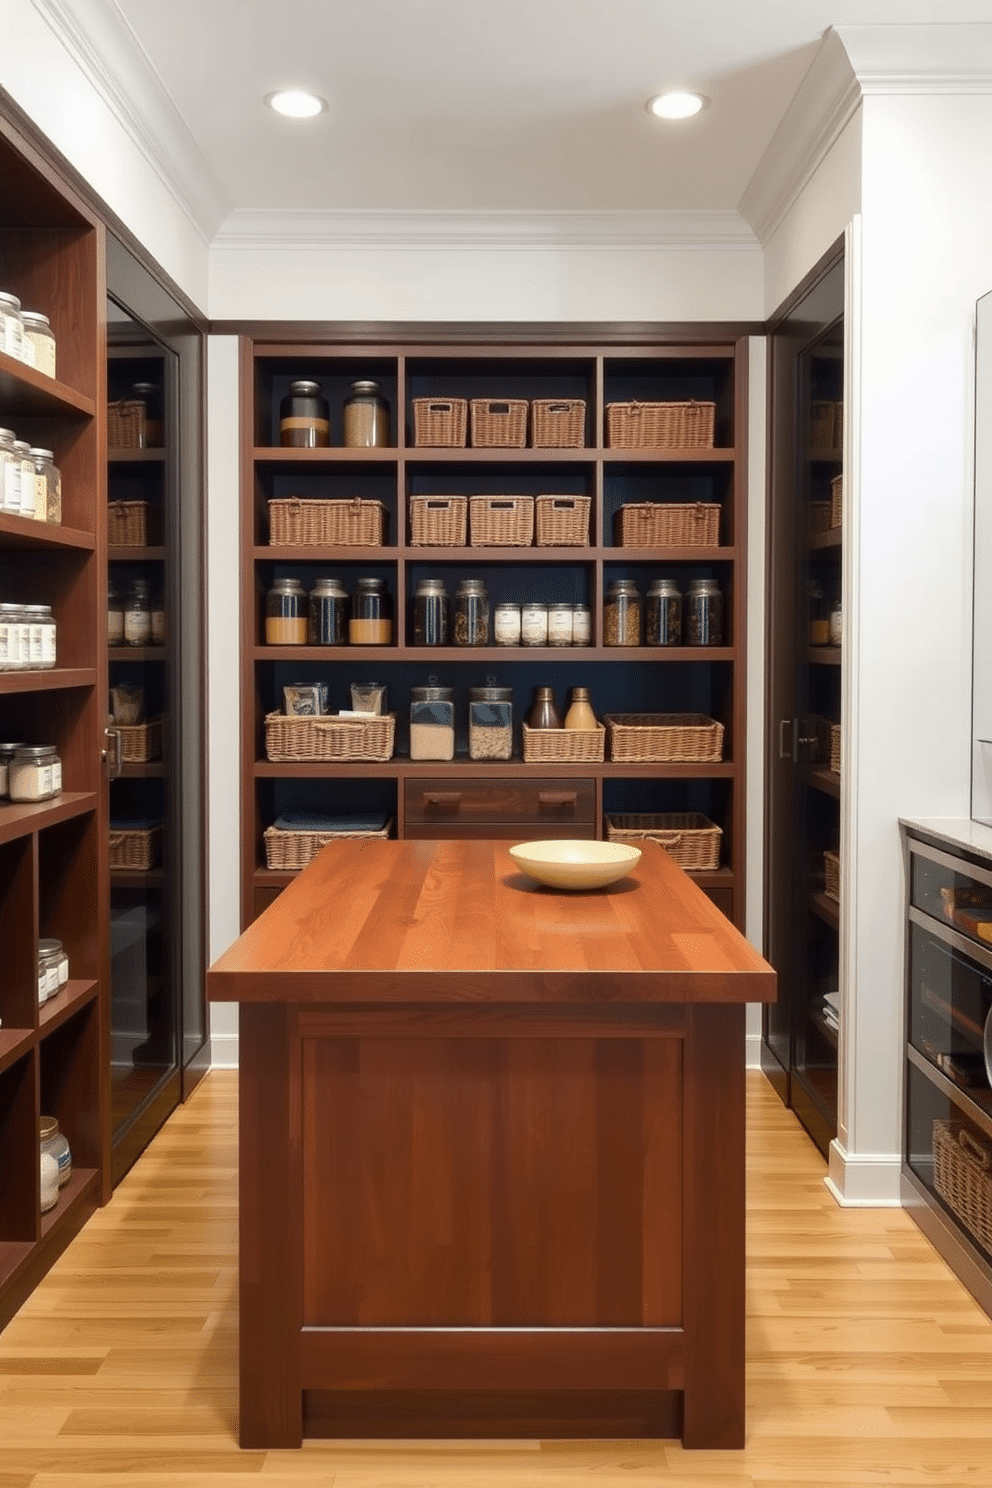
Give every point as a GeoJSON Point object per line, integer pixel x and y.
{"type": "Point", "coordinates": [702, 363]}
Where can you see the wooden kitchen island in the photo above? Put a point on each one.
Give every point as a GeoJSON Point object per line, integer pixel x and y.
{"type": "Point", "coordinates": [491, 1151]}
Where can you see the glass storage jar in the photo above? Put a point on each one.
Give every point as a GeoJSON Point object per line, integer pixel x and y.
{"type": "Point", "coordinates": [490, 723]}
{"type": "Point", "coordinates": [54, 1142]}
{"type": "Point", "coordinates": [25, 486]}
{"type": "Point", "coordinates": [35, 773]}
{"type": "Point", "coordinates": [304, 417]}
{"type": "Point", "coordinates": [432, 723]}
{"type": "Point", "coordinates": [49, 1182]}
{"type": "Point", "coordinates": [150, 394]}
{"type": "Point", "coordinates": [115, 616]}
{"type": "Point", "coordinates": [11, 326]}
{"type": "Point", "coordinates": [286, 614]}
{"type": "Point", "coordinates": [49, 946]}
{"type": "Point", "coordinates": [48, 976]}
{"type": "Point", "coordinates": [158, 619]}
{"type": "Point", "coordinates": [819, 615]}
{"type": "Point", "coordinates": [138, 614]}
{"type": "Point", "coordinates": [10, 495]}
{"type": "Point", "coordinates": [663, 613]}
{"type": "Point", "coordinates": [47, 486]}
{"type": "Point", "coordinates": [581, 625]}
{"type": "Point", "coordinates": [10, 638]}
{"type": "Point", "coordinates": [836, 623]}
{"type": "Point", "coordinates": [366, 417]}
{"type": "Point", "coordinates": [559, 625]}
{"type": "Point", "coordinates": [328, 613]}
{"type": "Point", "coordinates": [371, 616]}
{"type": "Point", "coordinates": [41, 636]}
{"type": "Point", "coordinates": [506, 624]}
{"type": "Point", "coordinates": [471, 613]}
{"type": "Point", "coordinates": [622, 614]}
{"type": "Point", "coordinates": [37, 333]}
{"type": "Point", "coordinates": [534, 624]}
{"type": "Point", "coordinates": [430, 613]}
{"type": "Point", "coordinates": [7, 752]}
{"type": "Point", "coordinates": [704, 613]}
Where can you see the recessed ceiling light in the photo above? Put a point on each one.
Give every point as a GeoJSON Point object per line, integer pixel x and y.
{"type": "Point", "coordinates": [295, 103]}
{"type": "Point", "coordinates": [676, 105]}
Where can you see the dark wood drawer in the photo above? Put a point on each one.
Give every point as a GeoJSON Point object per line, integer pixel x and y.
{"type": "Point", "coordinates": [501, 802]}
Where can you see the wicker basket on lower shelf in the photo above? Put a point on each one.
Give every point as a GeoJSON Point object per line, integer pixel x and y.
{"type": "Point", "coordinates": [561, 521]}
{"type": "Point", "coordinates": [438, 521]}
{"type": "Point", "coordinates": [307, 738]}
{"type": "Point", "coordinates": [299, 839]}
{"type": "Point", "coordinates": [668, 524]}
{"type": "Point", "coordinates": [134, 848]}
{"type": "Point", "coordinates": [127, 424]}
{"type": "Point", "coordinates": [962, 1175]}
{"type": "Point", "coordinates": [679, 738]}
{"type": "Point", "coordinates": [690, 839]}
{"type": "Point", "coordinates": [564, 746]}
{"type": "Point", "coordinates": [501, 521]}
{"type": "Point", "coordinates": [140, 742]}
{"type": "Point", "coordinates": [680, 425]}
{"type": "Point", "coordinates": [831, 875]}
{"type": "Point", "coordinates": [314, 522]}
{"type": "Point", "coordinates": [132, 524]}
{"type": "Point", "coordinates": [837, 501]}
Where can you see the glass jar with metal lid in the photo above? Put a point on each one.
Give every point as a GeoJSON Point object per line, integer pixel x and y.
{"type": "Point", "coordinates": [704, 613]}
{"type": "Point", "coordinates": [371, 617]}
{"type": "Point", "coordinates": [54, 1142]}
{"type": "Point", "coordinates": [35, 773]}
{"type": "Point", "coordinates": [304, 417]}
{"type": "Point", "coordinates": [48, 975]}
{"type": "Point", "coordinates": [22, 452]}
{"type": "Point", "coordinates": [328, 613]}
{"type": "Point", "coordinates": [285, 613]}
{"type": "Point", "coordinates": [49, 947]}
{"type": "Point", "coordinates": [581, 625]}
{"type": "Point", "coordinates": [41, 633]}
{"type": "Point", "coordinates": [9, 492]}
{"type": "Point", "coordinates": [430, 613]}
{"type": "Point", "coordinates": [534, 623]}
{"type": "Point", "coordinates": [622, 614]}
{"type": "Point", "coordinates": [432, 722]}
{"type": "Point", "coordinates": [7, 752]}
{"type": "Point", "coordinates": [663, 613]}
{"type": "Point", "coordinates": [47, 485]}
{"type": "Point", "coordinates": [559, 625]}
{"type": "Point", "coordinates": [11, 639]}
{"type": "Point", "coordinates": [490, 722]}
{"type": "Point", "coordinates": [37, 333]}
{"type": "Point", "coordinates": [471, 613]}
{"type": "Point", "coordinates": [138, 614]}
{"type": "Point", "coordinates": [11, 325]}
{"type": "Point", "coordinates": [366, 417]}
{"type": "Point", "coordinates": [506, 623]}
{"type": "Point", "coordinates": [115, 615]}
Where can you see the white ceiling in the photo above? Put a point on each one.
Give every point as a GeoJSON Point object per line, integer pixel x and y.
{"type": "Point", "coordinates": [498, 105]}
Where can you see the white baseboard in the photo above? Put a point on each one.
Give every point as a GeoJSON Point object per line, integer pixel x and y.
{"type": "Point", "coordinates": [867, 1180]}
{"type": "Point", "coordinates": [223, 1050]}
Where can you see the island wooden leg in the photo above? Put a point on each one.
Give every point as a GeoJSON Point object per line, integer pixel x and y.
{"type": "Point", "coordinates": [713, 1219]}
{"type": "Point", "coordinates": [270, 1229]}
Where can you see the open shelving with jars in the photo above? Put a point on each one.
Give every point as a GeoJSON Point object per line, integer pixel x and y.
{"type": "Point", "coordinates": [53, 1054]}
{"type": "Point", "coordinates": [520, 797]}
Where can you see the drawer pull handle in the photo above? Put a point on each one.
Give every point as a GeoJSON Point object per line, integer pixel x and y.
{"type": "Point", "coordinates": [557, 798]}
{"type": "Point", "coordinates": [443, 798]}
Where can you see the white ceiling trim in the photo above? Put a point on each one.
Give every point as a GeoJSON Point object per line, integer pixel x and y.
{"type": "Point", "coordinates": [826, 100]}
{"type": "Point", "coordinates": [327, 228]}
{"type": "Point", "coordinates": [105, 49]}
{"type": "Point", "coordinates": [933, 57]}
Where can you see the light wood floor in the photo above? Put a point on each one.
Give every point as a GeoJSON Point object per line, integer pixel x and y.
{"type": "Point", "coordinates": [867, 1362]}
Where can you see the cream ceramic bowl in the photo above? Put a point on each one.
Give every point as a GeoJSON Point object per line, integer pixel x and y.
{"type": "Point", "coordinates": [575, 865]}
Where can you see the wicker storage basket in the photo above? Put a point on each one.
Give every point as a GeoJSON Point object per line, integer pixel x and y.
{"type": "Point", "coordinates": [134, 849]}
{"type": "Point", "coordinates": [132, 524]}
{"type": "Point", "coordinates": [686, 425]}
{"type": "Point", "coordinates": [690, 839]}
{"type": "Point", "coordinates": [288, 848]}
{"type": "Point", "coordinates": [561, 521]}
{"type": "Point", "coordinates": [499, 423]}
{"type": "Point", "coordinates": [827, 743]}
{"type": "Point", "coordinates": [501, 521]}
{"type": "Point", "coordinates": [558, 423]}
{"type": "Point", "coordinates": [837, 501]}
{"type": "Point", "coordinates": [668, 524]}
{"type": "Point", "coordinates": [831, 875]}
{"type": "Point", "coordinates": [308, 738]}
{"type": "Point", "coordinates": [140, 742]}
{"type": "Point", "coordinates": [440, 423]}
{"type": "Point", "coordinates": [127, 424]}
{"type": "Point", "coordinates": [438, 521]}
{"type": "Point", "coordinates": [315, 522]}
{"type": "Point", "coordinates": [564, 746]}
{"type": "Point", "coordinates": [648, 738]}
{"type": "Point", "coordinates": [962, 1175]}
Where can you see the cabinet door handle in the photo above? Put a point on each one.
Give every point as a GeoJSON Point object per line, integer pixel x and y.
{"type": "Point", "coordinates": [557, 798]}
{"type": "Point", "coordinates": [788, 751]}
{"type": "Point", "coordinates": [443, 798]}
{"type": "Point", "coordinates": [112, 752]}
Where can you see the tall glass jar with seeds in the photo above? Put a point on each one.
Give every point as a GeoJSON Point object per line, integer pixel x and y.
{"type": "Point", "coordinates": [490, 723]}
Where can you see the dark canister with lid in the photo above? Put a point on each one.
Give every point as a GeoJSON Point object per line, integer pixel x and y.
{"type": "Point", "coordinates": [328, 613]}
{"type": "Point", "coordinates": [543, 711]}
{"type": "Point", "coordinates": [704, 613]}
{"type": "Point", "coordinates": [304, 418]}
{"type": "Point", "coordinates": [471, 613]}
{"type": "Point", "coordinates": [366, 417]}
{"type": "Point", "coordinates": [663, 613]}
{"type": "Point", "coordinates": [430, 613]}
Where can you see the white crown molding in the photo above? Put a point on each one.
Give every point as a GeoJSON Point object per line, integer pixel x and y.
{"type": "Point", "coordinates": [105, 49]}
{"type": "Point", "coordinates": [928, 58]}
{"type": "Point", "coordinates": [827, 98]}
{"type": "Point", "coordinates": [554, 231]}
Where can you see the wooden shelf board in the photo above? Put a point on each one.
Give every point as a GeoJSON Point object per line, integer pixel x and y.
{"type": "Point", "coordinates": [14, 1044]}
{"type": "Point", "coordinates": [149, 456]}
{"type": "Point", "coordinates": [137, 878]}
{"type": "Point", "coordinates": [823, 656]}
{"type": "Point", "coordinates": [17, 820]}
{"type": "Point", "coordinates": [117, 553]}
{"type": "Point", "coordinates": [825, 909]}
{"type": "Point", "coordinates": [79, 1188]}
{"type": "Point", "coordinates": [826, 542]}
{"type": "Point", "coordinates": [471, 769]}
{"type": "Point", "coordinates": [138, 653]}
{"type": "Point", "coordinates": [511, 655]}
{"type": "Point", "coordinates": [315, 553]}
{"type": "Point", "coordinates": [24, 532]}
{"type": "Point", "coordinates": [827, 781]}
{"type": "Point", "coordinates": [74, 995]}
{"type": "Point", "coordinates": [23, 390]}
{"type": "Point", "coordinates": [56, 678]}
{"type": "Point", "coordinates": [422, 454]}
{"type": "Point", "coordinates": [819, 1022]}
{"type": "Point", "coordinates": [144, 770]}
